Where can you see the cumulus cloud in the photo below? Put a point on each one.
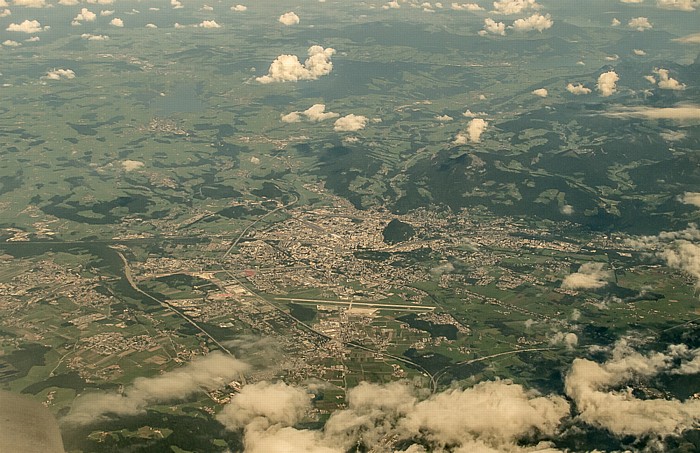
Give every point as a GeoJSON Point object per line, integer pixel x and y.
{"type": "Point", "coordinates": [315, 113]}
{"type": "Point", "coordinates": [30, 3]}
{"type": "Point", "coordinates": [27, 26]}
{"type": "Point", "coordinates": [666, 82]}
{"type": "Point", "coordinates": [106, 12]}
{"type": "Point", "coordinates": [5, 13]}
{"type": "Point", "coordinates": [289, 18]}
{"type": "Point", "coordinates": [239, 8]}
{"type": "Point", "coordinates": [493, 27]}
{"type": "Point", "coordinates": [68, 2]}
{"type": "Point", "coordinates": [680, 5]}
{"type": "Point", "coordinates": [567, 209]}
{"type": "Point", "coordinates": [535, 22]}
{"type": "Point", "coordinates": [444, 118]}
{"type": "Point", "coordinates": [541, 92]}
{"type": "Point", "coordinates": [11, 43]}
{"type": "Point", "coordinates": [350, 123]}
{"type": "Point", "coordinates": [514, 6]}
{"type": "Point", "coordinates": [288, 68]}
{"type": "Point", "coordinates": [592, 386]}
{"type": "Point", "coordinates": [577, 89]}
{"type": "Point", "coordinates": [607, 83]}
{"type": "Point", "coordinates": [58, 74]}
{"type": "Point", "coordinates": [640, 24]}
{"type": "Point", "coordinates": [639, 52]}
{"type": "Point", "coordinates": [684, 255]}
{"type": "Point", "coordinates": [208, 24]}
{"type": "Point", "coordinates": [84, 15]}
{"type": "Point", "coordinates": [491, 415]}
{"type": "Point", "coordinates": [91, 37]}
{"type": "Point", "coordinates": [690, 198]}
{"type": "Point", "coordinates": [394, 4]}
{"type": "Point", "coordinates": [131, 165]}
{"type": "Point", "coordinates": [615, 22]}
{"type": "Point", "coordinates": [589, 276]}
{"type": "Point", "coordinates": [466, 7]}
{"type": "Point", "coordinates": [475, 128]}
{"type": "Point", "coordinates": [116, 22]}
{"type": "Point", "coordinates": [569, 339]}
{"type": "Point", "coordinates": [210, 372]}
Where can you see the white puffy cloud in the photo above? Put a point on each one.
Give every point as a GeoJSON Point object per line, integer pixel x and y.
{"type": "Point", "coordinates": [493, 27]}
{"type": "Point", "coordinates": [444, 118]}
{"type": "Point", "coordinates": [11, 43]}
{"type": "Point", "coordinates": [131, 165]}
{"type": "Point", "coordinates": [666, 82]}
{"type": "Point", "coordinates": [315, 113]}
{"type": "Point", "coordinates": [640, 23]}
{"type": "Point", "coordinates": [84, 15]}
{"type": "Point", "coordinates": [592, 386]}
{"type": "Point", "coordinates": [239, 8]}
{"type": "Point", "coordinates": [566, 209]}
{"type": "Point", "coordinates": [639, 52]}
{"type": "Point", "coordinates": [475, 128]}
{"type": "Point", "coordinates": [680, 5]}
{"type": "Point", "coordinates": [394, 4]}
{"type": "Point", "coordinates": [684, 255]}
{"type": "Point", "coordinates": [514, 6]}
{"type": "Point", "coordinates": [288, 68]}
{"type": "Point", "coordinates": [33, 39]}
{"type": "Point", "coordinates": [91, 37]}
{"type": "Point", "coordinates": [541, 92]}
{"type": "Point", "coordinates": [569, 339]}
{"type": "Point", "coordinates": [466, 7]}
{"type": "Point", "coordinates": [27, 26]}
{"type": "Point", "coordinates": [68, 2]}
{"type": "Point", "coordinates": [208, 24]}
{"type": "Point", "coordinates": [210, 372]}
{"type": "Point", "coordinates": [589, 276]}
{"type": "Point", "coordinates": [58, 74]}
{"type": "Point", "coordinates": [176, 4]}
{"type": "Point", "coordinates": [116, 22]}
{"type": "Point", "coordinates": [289, 18]}
{"type": "Point", "coordinates": [607, 83]}
{"type": "Point", "coordinates": [350, 123]}
{"type": "Point", "coordinates": [690, 198]}
{"type": "Point", "coordinates": [535, 22]}
{"type": "Point", "coordinates": [106, 12]}
{"type": "Point", "coordinates": [30, 3]}
{"type": "Point", "coordinates": [615, 22]}
{"type": "Point", "coordinates": [277, 403]}
{"type": "Point", "coordinates": [149, 25]}
{"type": "Point", "coordinates": [577, 89]}
{"type": "Point", "coordinates": [5, 13]}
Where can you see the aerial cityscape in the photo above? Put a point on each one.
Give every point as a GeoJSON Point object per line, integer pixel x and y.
{"type": "Point", "coordinates": [336, 226]}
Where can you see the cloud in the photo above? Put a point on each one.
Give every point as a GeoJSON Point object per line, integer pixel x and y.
{"type": "Point", "coordinates": [68, 2]}
{"type": "Point", "coordinates": [350, 123]}
{"type": "Point", "coordinates": [592, 387]}
{"type": "Point", "coordinates": [639, 52]}
{"type": "Point", "coordinates": [391, 5]}
{"type": "Point", "coordinates": [567, 209]}
{"type": "Point", "coordinates": [632, 1]}
{"type": "Point", "coordinates": [666, 82]}
{"type": "Point", "coordinates": [615, 22]}
{"type": "Point", "coordinates": [690, 198]}
{"type": "Point", "coordinates": [315, 113]}
{"type": "Point", "coordinates": [28, 26]}
{"type": "Point", "coordinates": [682, 113]}
{"type": "Point", "coordinates": [640, 24]}
{"type": "Point", "coordinates": [289, 18]}
{"type": "Point", "coordinates": [535, 22]}
{"type": "Point", "coordinates": [589, 276]}
{"type": "Point", "coordinates": [684, 255]}
{"type": "Point", "coordinates": [276, 403]}
{"type": "Point", "coordinates": [149, 25]}
{"type": "Point", "coordinates": [680, 5]}
{"type": "Point", "coordinates": [514, 6]}
{"type": "Point", "coordinates": [91, 37]}
{"type": "Point", "coordinates": [689, 39]}
{"type": "Point", "coordinates": [30, 3]}
{"type": "Point", "coordinates": [570, 340]}
{"type": "Point", "coordinates": [239, 8]}
{"type": "Point", "coordinates": [493, 27]}
{"type": "Point", "coordinates": [5, 13]}
{"type": "Point", "coordinates": [208, 24]}
{"type": "Point", "coordinates": [287, 68]}
{"type": "Point", "coordinates": [131, 165]}
{"type": "Point", "coordinates": [11, 43]}
{"type": "Point", "coordinates": [444, 118]}
{"type": "Point", "coordinates": [541, 92]}
{"type": "Point", "coordinates": [607, 83]}
{"type": "Point", "coordinates": [475, 128]}
{"type": "Point", "coordinates": [116, 22]}
{"type": "Point", "coordinates": [466, 7]}
{"type": "Point", "coordinates": [58, 74]}
{"type": "Point", "coordinates": [577, 89]}
{"type": "Point", "coordinates": [106, 12]}
{"type": "Point", "coordinates": [84, 15]}
{"type": "Point", "coordinates": [209, 372]}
